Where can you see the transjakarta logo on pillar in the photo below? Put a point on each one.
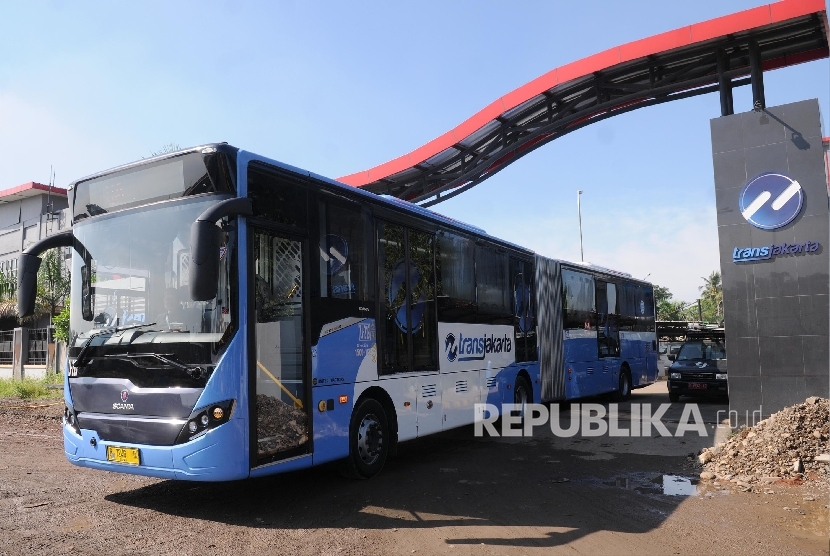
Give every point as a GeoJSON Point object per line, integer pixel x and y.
{"type": "Point", "coordinates": [769, 202]}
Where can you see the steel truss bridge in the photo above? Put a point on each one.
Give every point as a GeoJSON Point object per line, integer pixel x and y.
{"type": "Point", "coordinates": [712, 56]}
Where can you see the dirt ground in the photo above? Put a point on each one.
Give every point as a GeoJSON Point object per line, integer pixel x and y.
{"type": "Point", "coordinates": [448, 494]}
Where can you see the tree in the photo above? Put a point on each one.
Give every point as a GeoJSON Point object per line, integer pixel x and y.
{"type": "Point", "coordinates": [666, 308]}
{"type": "Point", "coordinates": [711, 297]}
{"type": "Point", "coordinates": [61, 324]}
{"type": "Point", "coordinates": [168, 148]}
{"type": "Point", "coordinates": [8, 286]}
{"type": "Point", "coordinates": [661, 295]}
{"type": "Point", "coordinates": [53, 282]}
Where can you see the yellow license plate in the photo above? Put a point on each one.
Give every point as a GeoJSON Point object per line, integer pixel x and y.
{"type": "Point", "coordinates": [122, 455]}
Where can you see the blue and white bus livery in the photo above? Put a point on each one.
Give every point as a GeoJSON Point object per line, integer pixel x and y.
{"type": "Point", "coordinates": [235, 317]}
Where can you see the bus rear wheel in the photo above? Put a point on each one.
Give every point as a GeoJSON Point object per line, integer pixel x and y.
{"type": "Point", "coordinates": [522, 394]}
{"type": "Point", "coordinates": [368, 440]}
{"type": "Point", "coordinates": [623, 392]}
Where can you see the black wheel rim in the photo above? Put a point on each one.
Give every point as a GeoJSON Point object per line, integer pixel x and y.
{"type": "Point", "coordinates": [369, 439]}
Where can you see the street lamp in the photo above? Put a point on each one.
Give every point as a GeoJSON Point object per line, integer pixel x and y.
{"type": "Point", "coordinates": [579, 215]}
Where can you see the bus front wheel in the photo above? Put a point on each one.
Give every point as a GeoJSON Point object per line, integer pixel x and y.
{"type": "Point", "coordinates": [368, 440]}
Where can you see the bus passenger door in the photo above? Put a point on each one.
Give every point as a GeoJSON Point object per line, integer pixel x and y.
{"type": "Point", "coordinates": [279, 416]}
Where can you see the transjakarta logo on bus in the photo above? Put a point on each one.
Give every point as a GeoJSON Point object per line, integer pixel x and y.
{"type": "Point", "coordinates": [469, 348]}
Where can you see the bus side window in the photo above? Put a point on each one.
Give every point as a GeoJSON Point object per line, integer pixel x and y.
{"type": "Point", "coordinates": [455, 279]}
{"type": "Point", "coordinates": [343, 266]}
{"type": "Point", "coordinates": [493, 287]}
{"type": "Point", "coordinates": [629, 306]}
{"type": "Point", "coordinates": [277, 196]}
{"type": "Point", "coordinates": [578, 300]}
{"type": "Point", "coordinates": [525, 328]}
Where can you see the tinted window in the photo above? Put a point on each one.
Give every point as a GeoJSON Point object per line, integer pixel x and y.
{"type": "Point", "coordinates": [629, 306]}
{"type": "Point", "coordinates": [157, 181]}
{"type": "Point", "coordinates": [523, 310]}
{"type": "Point", "coordinates": [422, 300]}
{"type": "Point", "coordinates": [394, 324]}
{"type": "Point", "coordinates": [577, 300]}
{"type": "Point", "coordinates": [578, 291]}
{"type": "Point", "coordinates": [408, 324]}
{"type": "Point", "coordinates": [278, 196]}
{"type": "Point", "coordinates": [701, 349]}
{"type": "Point", "coordinates": [456, 281]}
{"type": "Point", "coordinates": [343, 265]}
{"type": "Point", "coordinates": [647, 323]}
{"type": "Point", "coordinates": [608, 321]}
{"type": "Point", "coordinates": [493, 287]}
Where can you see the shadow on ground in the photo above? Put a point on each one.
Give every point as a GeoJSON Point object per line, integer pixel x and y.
{"type": "Point", "coordinates": [449, 480]}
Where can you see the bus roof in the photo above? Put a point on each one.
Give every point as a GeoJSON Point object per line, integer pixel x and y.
{"type": "Point", "coordinates": [383, 200]}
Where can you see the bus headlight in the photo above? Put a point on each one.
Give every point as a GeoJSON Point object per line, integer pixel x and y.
{"type": "Point", "coordinates": [720, 376]}
{"type": "Point", "coordinates": [71, 419]}
{"type": "Point", "coordinates": [205, 418]}
{"type": "Point", "coordinates": [675, 376]}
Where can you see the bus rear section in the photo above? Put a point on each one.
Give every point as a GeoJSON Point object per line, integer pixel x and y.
{"type": "Point", "coordinates": [597, 331]}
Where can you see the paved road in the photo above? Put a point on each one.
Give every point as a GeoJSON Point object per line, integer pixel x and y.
{"type": "Point", "coordinates": [448, 494]}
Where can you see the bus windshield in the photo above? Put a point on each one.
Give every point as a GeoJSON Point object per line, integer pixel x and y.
{"type": "Point", "coordinates": [139, 275]}
{"type": "Point", "coordinates": [702, 349]}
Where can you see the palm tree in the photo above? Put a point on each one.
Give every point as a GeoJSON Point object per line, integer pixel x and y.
{"type": "Point", "coordinates": [712, 291]}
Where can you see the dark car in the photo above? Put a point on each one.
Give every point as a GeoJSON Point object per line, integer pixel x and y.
{"type": "Point", "coordinates": [699, 368]}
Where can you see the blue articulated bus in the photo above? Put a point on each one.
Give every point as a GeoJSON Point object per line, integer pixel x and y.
{"type": "Point", "coordinates": [232, 317]}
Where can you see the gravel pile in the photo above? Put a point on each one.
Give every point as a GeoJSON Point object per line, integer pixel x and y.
{"type": "Point", "coordinates": [280, 426]}
{"type": "Point", "coordinates": [791, 444]}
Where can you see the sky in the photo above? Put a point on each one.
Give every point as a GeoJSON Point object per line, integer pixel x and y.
{"type": "Point", "coordinates": [339, 87]}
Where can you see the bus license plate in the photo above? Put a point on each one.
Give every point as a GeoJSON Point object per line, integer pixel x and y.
{"type": "Point", "coordinates": [119, 454]}
{"type": "Point", "coordinates": [697, 386]}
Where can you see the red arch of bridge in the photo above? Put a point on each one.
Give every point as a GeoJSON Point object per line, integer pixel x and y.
{"type": "Point", "coordinates": [397, 176]}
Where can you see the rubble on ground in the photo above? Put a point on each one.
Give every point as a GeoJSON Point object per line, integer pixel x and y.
{"type": "Point", "coordinates": [791, 445]}
{"type": "Point", "coordinates": [280, 426]}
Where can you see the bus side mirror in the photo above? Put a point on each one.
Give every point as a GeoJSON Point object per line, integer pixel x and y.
{"type": "Point", "coordinates": [205, 240]}
{"type": "Point", "coordinates": [27, 269]}
{"type": "Point", "coordinates": [29, 264]}
{"type": "Point", "coordinates": [86, 293]}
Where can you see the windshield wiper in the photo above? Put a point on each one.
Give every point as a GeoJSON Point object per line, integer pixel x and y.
{"type": "Point", "coordinates": [79, 360]}
{"type": "Point", "coordinates": [95, 210]}
{"type": "Point", "coordinates": [194, 372]}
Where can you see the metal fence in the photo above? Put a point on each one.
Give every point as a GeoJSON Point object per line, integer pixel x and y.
{"type": "Point", "coordinates": [38, 348]}
{"type": "Point", "coordinates": [6, 341]}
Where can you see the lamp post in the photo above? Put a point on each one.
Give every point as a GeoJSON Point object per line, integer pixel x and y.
{"type": "Point", "coordinates": [579, 215]}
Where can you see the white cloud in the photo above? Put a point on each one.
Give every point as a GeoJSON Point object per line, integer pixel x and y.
{"type": "Point", "coordinates": [677, 247]}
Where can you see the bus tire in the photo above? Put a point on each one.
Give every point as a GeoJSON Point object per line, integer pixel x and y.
{"type": "Point", "coordinates": [369, 440]}
{"type": "Point", "coordinates": [623, 392]}
{"type": "Point", "coordinates": [522, 394]}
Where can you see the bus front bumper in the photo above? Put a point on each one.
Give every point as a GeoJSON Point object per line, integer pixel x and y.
{"type": "Point", "coordinates": [221, 454]}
